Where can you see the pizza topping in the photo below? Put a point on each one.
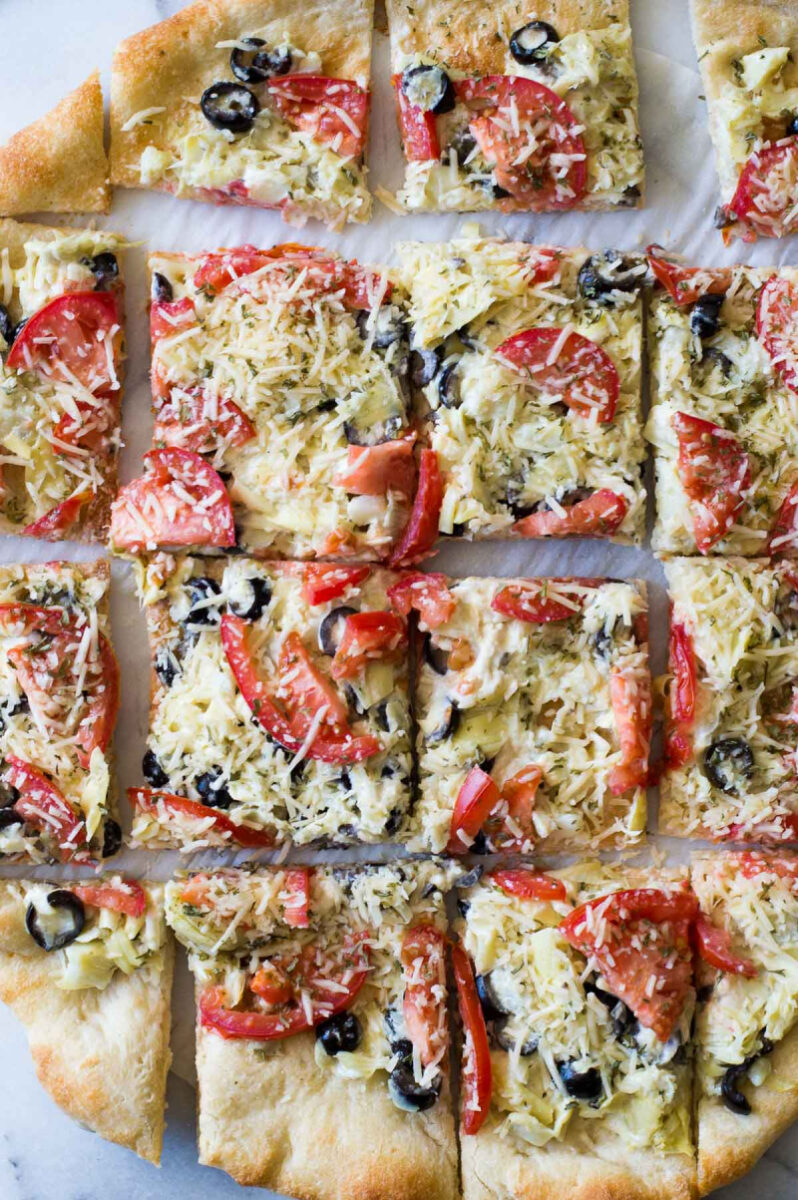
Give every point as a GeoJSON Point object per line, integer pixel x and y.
{"type": "Point", "coordinates": [58, 922]}
{"type": "Point", "coordinates": [777, 327]}
{"type": "Point", "coordinates": [715, 472]}
{"type": "Point", "coordinates": [71, 339]}
{"type": "Point", "coordinates": [476, 1078]}
{"type": "Point", "coordinates": [230, 106]}
{"type": "Point", "coordinates": [428, 88]}
{"type": "Point", "coordinates": [340, 1034]}
{"type": "Point", "coordinates": [323, 582]}
{"type": "Point", "coordinates": [380, 469]}
{"type": "Point", "coordinates": [180, 501]}
{"type": "Point", "coordinates": [729, 764]}
{"type": "Point", "coordinates": [681, 697]}
{"type": "Point", "coordinates": [764, 202]}
{"type": "Point", "coordinates": [597, 515]}
{"type": "Point", "coordinates": [783, 537]}
{"type": "Point", "coordinates": [150, 801]}
{"type": "Point", "coordinates": [686, 285]}
{"type": "Point", "coordinates": [424, 1005]}
{"type": "Point", "coordinates": [632, 708]}
{"type": "Point", "coordinates": [421, 531]}
{"type": "Point", "coordinates": [582, 1085]}
{"type": "Point", "coordinates": [538, 603]}
{"type": "Point", "coordinates": [369, 637]}
{"type": "Point", "coordinates": [427, 593]}
{"type": "Point", "coordinates": [60, 519]}
{"type": "Point", "coordinates": [250, 598]}
{"type": "Point", "coordinates": [477, 798]}
{"type": "Point", "coordinates": [417, 126]}
{"type": "Point", "coordinates": [251, 63]}
{"type": "Point", "coordinates": [44, 807]}
{"type": "Point", "coordinates": [296, 888]}
{"type": "Point", "coordinates": [333, 111]}
{"type": "Point", "coordinates": [197, 419]}
{"type": "Point", "coordinates": [705, 316]}
{"type": "Point", "coordinates": [529, 885]}
{"type": "Point", "coordinates": [332, 628]}
{"type": "Point", "coordinates": [606, 277]}
{"type": "Point", "coordinates": [714, 945]}
{"type": "Point", "coordinates": [533, 42]}
{"type": "Point", "coordinates": [568, 367]}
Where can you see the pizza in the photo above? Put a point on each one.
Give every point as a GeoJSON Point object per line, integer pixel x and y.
{"type": "Point", "coordinates": [576, 999]}
{"type": "Point", "coordinates": [747, 55]}
{"type": "Point", "coordinates": [59, 698]}
{"type": "Point", "coordinates": [61, 345]}
{"type": "Point", "coordinates": [746, 1031]}
{"type": "Point", "coordinates": [534, 710]}
{"type": "Point", "coordinates": [526, 370]}
{"type": "Point", "coordinates": [723, 421]}
{"type": "Point", "coordinates": [86, 967]}
{"type": "Point", "coordinates": [58, 163]}
{"type": "Point", "coordinates": [731, 732]}
{"type": "Point", "coordinates": [257, 102]}
{"type": "Point", "coordinates": [322, 1034]}
{"type": "Point", "coordinates": [515, 109]}
{"type": "Point", "coordinates": [282, 424]}
{"type": "Point", "coordinates": [280, 705]}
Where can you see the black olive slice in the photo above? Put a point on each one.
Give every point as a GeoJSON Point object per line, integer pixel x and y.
{"type": "Point", "coordinates": [250, 63]}
{"type": "Point", "coordinates": [254, 595]}
{"type": "Point", "coordinates": [339, 1032]}
{"type": "Point", "coordinates": [713, 359]}
{"type": "Point", "coordinates": [152, 770]}
{"type": "Point", "coordinates": [470, 878]}
{"type": "Point", "coordinates": [448, 724]}
{"type": "Point", "coordinates": [202, 590]}
{"type": "Point", "coordinates": [403, 1089]}
{"type": "Point", "coordinates": [492, 1006]}
{"type": "Point", "coordinates": [332, 628]}
{"type": "Point", "coordinates": [728, 762]}
{"type": "Point", "coordinates": [73, 916]}
{"type": "Point", "coordinates": [112, 838]}
{"type": "Point", "coordinates": [375, 435]}
{"type": "Point", "coordinates": [105, 269]}
{"type": "Point", "coordinates": [449, 387]}
{"type": "Point", "coordinates": [502, 1038]}
{"type": "Point", "coordinates": [705, 315]}
{"type": "Point", "coordinates": [532, 43]}
{"type": "Point", "coordinates": [733, 1098]}
{"type": "Point", "coordinates": [213, 793]}
{"type": "Point", "coordinates": [610, 271]}
{"type": "Point", "coordinates": [630, 196]}
{"type": "Point", "coordinates": [165, 666]}
{"type": "Point", "coordinates": [582, 1085]}
{"type": "Point", "coordinates": [389, 326]}
{"type": "Point", "coordinates": [162, 290]}
{"type": "Point", "coordinates": [428, 88]}
{"type": "Point", "coordinates": [6, 325]}
{"type": "Point", "coordinates": [8, 817]}
{"type": "Point", "coordinates": [424, 366]}
{"type": "Point", "coordinates": [786, 609]}
{"type": "Point", "coordinates": [381, 717]}
{"type": "Point", "coordinates": [230, 106]}
{"type": "Point", "coordinates": [436, 656]}
{"type": "Point", "coordinates": [462, 144]}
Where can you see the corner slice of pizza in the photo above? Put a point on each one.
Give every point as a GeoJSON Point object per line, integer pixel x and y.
{"type": "Point", "coordinates": [322, 1031]}
{"type": "Point", "coordinates": [526, 375]}
{"type": "Point", "coordinates": [533, 700]}
{"type": "Point", "coordinates": [514, 108]}
{"type": "Point", "coordinates": [58, 163]}
{"type": "Point", "coordinates": [576, 1000]}
{"type": "Point", "coordinates": [61, 348]}
{"type": "Point", "coordinates": [724, 421]}
{"type": "Point", "coordinates": [731, 728]}
{"type": "Point", "coordinates": [86, 967]}
{"type": "Point", "coordinates": [282, 422]}
{"type": "Point", "coordinates": [747, 1021]}
{"type": "Point", "coordinates": [256, 102]}
{"type": "Point", "coordinates": [747, 52]}
{"type": "Point", "coordinates": [59, 698]}
{"type": "Point", "coordinates": [280, 707]}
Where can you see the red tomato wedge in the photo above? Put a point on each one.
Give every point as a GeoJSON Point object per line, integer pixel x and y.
{"type": "Point", "coordinates": [168, 317]}
{"type": "Point", "coordinates": [476, 1079]}
{"type": "Point", "coordinates": [544, 164]}
{"type": "Point", "coordinates": [428, 594]}
{"type": "Point", "coordinates": [296, 888]}
{"type": "Point", "coordinates": [423, 958]}
{"type": "Point", "coordinates": [333, 111]}
{"type": "Point", "coordinates": [234, 632]}
{"type": "Point", "coordinates": [751, 865]}
{"type": "Point", "coordinates": [777, 327]}
{"type": "Point", "coordinates": [304, 690]}
{"type": "Point", "coordinates": [529, 885]}
{"type": "Point", "coordinates": [147, 800]}
{"type": "Point", "coordinates": [530, 602]}
{"type": "Point", "coordinates": [686, 284]}
{"type": "Point", "coordinates": [633, 712]}
{"type": "Point", "coordinates": [272, 984]}
{"type": "Point", "coordinates": [44, 807]}
{"type": "Point", "coordinates": [89, 428]}
{"type": "Point", "coordinates": [59, 520]}
{"type": "Point", "coordinates": [421, 530]}
{"type": "Point", "coordinates": [180, 501]}
{"type": "Point", "coordinates": [477, 798]}
{"type": "Point", "coordinates": [102, 697]}
{"type": "Point", "coordinates": [519, 793]}
{"type": "Point", "coordinates": [767, 191]}
{"type": "Point", "coordinates": [783, 537]}
{"type": "Point", "coordinates": [417, 127]}
{"type": "Point", "coordinates": [681, 706]}
{"type": "Point", "coordinates": [323, 583]}
{"type": "Point", "coordinates": [634, 936]}
{"type": "Point", "coordinates": [377, 470]}
{"type": "Point", "coordinates": [129, 899]}
{"type": "Point", "coordinates": [597, 516]}
{"type": "Point", "coordinates": [20, 619]}
{"type": "Point", "coordinates": [198, 420]}
{"type": "Point", "coordinates": [715, 947]}
{"type": "Point", "coordinates": [715, 473]}
{"type": "Point", "coordinates": [564, 364]}
{"type": "Point", "coordinates": [71, 337]}
{"type": "Point", "coordinates": [368, 637]}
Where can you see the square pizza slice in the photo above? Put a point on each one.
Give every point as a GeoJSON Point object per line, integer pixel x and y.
{"type": "Point", "coordinates": [748, 55]}
{"type": "Point", "coordinates": [533, 700]}
{"type": "Point", "coordinates": [280, 706]}
{"type": "Point", "coordinates": [731, 734]}
{"type": "Point", "coordinates": [575, 994]}
{"type": "Point", "coordinates": [322, 1036]}
{"type": "Point", "coordinates": [257, 102]}
{"type": "Point", "coordinates": [724, 417]}
{"type": "Point", "coordinates": [526, 372]}
{"type": "Point", "coordinates": [497, 111]}
{"type": "Point", "coordinates": [86, 966]}
{"type": "Point", "coordinates": [747, 1020]}
{"type": "Point", "coordinates": [282, 423]}
{"type": "Point", "coordinates": [61, 345]}
{"type": "Point", "coordinates": [59, 698]}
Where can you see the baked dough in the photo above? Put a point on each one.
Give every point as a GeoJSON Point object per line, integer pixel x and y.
{"type": "Point", "coordinates": [58, 163]}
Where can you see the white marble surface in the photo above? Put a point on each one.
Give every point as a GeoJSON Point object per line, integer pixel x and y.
{"type": "Point", "coordinates": [48, 47]}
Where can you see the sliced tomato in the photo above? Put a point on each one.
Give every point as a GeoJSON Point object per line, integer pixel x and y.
{"type": "Point", "coordinates": [102, 697]}
{"type": "Point", "coordinates": [715, 473]}
{"type": "Point", "coordinates": [783, 537]}
{"type": "Point", "coordinates": [168, 317]}
{"type": "Point", "coordinates": [323, 582]}
{"type": "Point", "coordinates": [196, 419]}
{"type": "Point", "coordinates": [529, 885]}
{"type": "Point", "coordinates": [147, 800]}
{"type": "Point", "coordinates": [296, 885]}
{"type": "Point", "coordinates": [531, 136]}
{"type": "Point", "coordinates": [530, 602]}
{"type": "Point", "coordinates": [59, 520]}
{"type": "Point", "coordinates": [43, 806]}
{"type": "Point", "coordinates": [715, 947]}
{"type": "Point", "coordinates": [423, 958]}
{"type": "Point", "coordinates": [333, 111]}
{"type": "Point", "coordinates": [234, 632]}
{"type": "Point", "coordinates": [89, 428]}
{"type": "Point", "coordinates": [519, 793]}
{"type": "Point", "coordinates": [70, 338]}
{"type": "Point", "coordinates": [305, 690]}
{"type": "Point", "coordinates": [767, 191]}
{"type": "Point", "coordinates": [421, 530]}
{"type": "Point", "coordinates": [681, 697]}
{"type": "Point", "coordinates": [417, 127]}
{"type": "Point", "coordinates": [752, 865]}
{"type": "Point", "coordinates": [128, 898]}
{"type": "Point", "coordinates": [180, 501]}
{"type": "Point", "coordinates": [477, 798]}
{"type": "Point", "coordinates": [565, 364]}
{"type": "Point", "coordinates": [686, 284]}
{"type": "Point", "coordinates": [428, 594]}
{"type": "Point", "coordinates": [777, 327]}
{"type": "Point", "coordinates": [476, 1079]}
{"type": "Point", "coordinates": [377, 470]}
{"type": "Point", "coordinates": [633, 712]}
{"type": "Point", "coordinates": [597, 516]}
{"type": "Point", "coordinates": [20, 619]}
{"type": "Point", "coordinates": [218, 269]}
{"type": "Point", "coordinates": [369, 637]}
{"type": "Point", "coordinates": [635, 937]}
{"type": "Point", "coordinates": [272, 984]}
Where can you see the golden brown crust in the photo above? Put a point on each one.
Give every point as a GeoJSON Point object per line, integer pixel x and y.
{"type": "Point", "coordinates": [58, 163]}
